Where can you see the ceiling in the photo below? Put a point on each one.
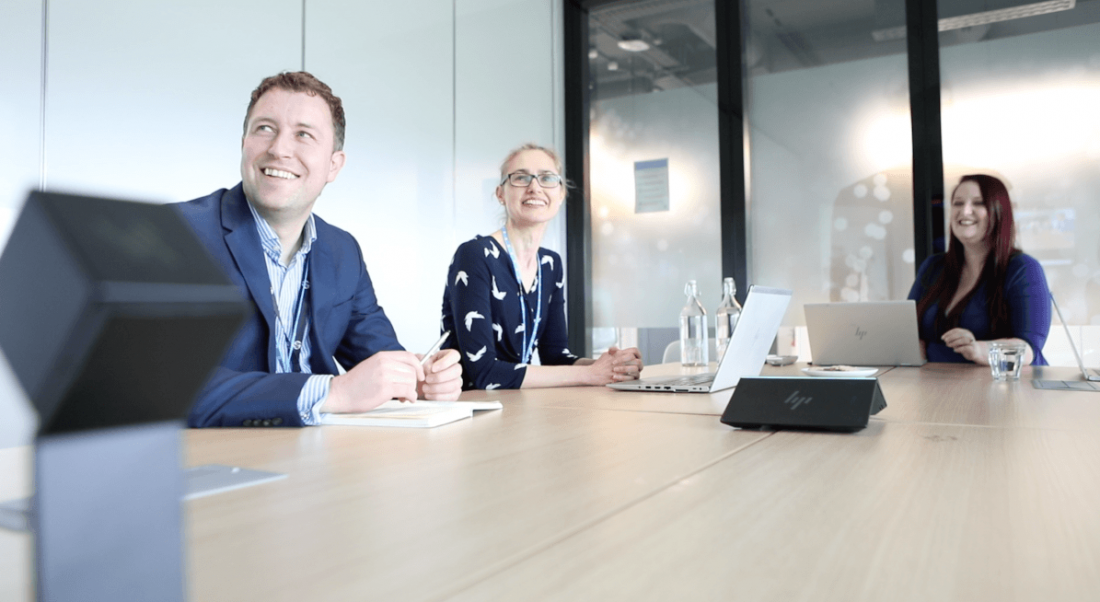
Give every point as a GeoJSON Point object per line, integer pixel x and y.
{"type": "Point", "coordinates": [783, 35]}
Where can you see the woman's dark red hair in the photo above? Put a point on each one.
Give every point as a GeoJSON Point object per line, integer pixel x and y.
{"type": "Point", "coordinates": [1002, 237]}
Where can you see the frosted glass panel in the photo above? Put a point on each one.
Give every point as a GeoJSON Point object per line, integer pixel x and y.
{"type": "Point", "coordinates": [653, 163]}
{"type": "Point", "coordinates": [146, 98]}
{"type": "Point", "coordinates": [830, 186]}
{"type": "Point", "coordinates": [641, 260]}
{"type": "Point", "coordinates": [1019, 100]}
{"type": "Point", "coordinates": [20, 105]}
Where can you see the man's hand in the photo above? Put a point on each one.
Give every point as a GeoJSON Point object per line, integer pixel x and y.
{"type": "Point", "coordinates": [442, 377]}
{"type": "Point", "coordinates": [383, 376]}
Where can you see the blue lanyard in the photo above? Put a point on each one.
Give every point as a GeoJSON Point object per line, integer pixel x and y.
{"type": "Point", "coordinates": [528, 345]}
{"type": "Point", "coordinates": [293, 347]}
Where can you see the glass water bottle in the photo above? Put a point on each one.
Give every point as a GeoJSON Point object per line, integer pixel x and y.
{"type": "Point", "coordinates": [694, 347]}
{"type": "Point", "coordinates": [725, 319]}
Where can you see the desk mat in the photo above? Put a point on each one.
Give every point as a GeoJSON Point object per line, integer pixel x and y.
{"type": "Point", "coordinates": [1065, 385]}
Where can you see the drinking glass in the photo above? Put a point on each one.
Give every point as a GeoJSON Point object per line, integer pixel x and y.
{"type": "Point", "coordinates": [1005, 359]}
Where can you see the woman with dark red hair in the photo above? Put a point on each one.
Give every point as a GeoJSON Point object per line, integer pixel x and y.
{"type": "Point", "coordinates": [983, 289]}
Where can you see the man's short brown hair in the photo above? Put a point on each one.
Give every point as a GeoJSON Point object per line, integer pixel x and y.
{"type": "Point", "coordinates": [302, 81]}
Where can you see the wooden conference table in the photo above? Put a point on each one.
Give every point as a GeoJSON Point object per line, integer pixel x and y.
{"type": "Point", "coordinates": [962, 489]}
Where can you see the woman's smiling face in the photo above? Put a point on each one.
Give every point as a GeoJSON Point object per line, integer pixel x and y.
{"type": "Point", "coordinates": [531, 204]}
{"type": "Point", "coordinates": [969, 214]}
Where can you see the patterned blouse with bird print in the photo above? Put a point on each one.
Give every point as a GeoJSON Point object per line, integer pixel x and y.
{"type": "Point", "coordinates": [481, 308]}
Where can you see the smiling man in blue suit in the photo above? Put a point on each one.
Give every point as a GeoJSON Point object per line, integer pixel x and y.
{"type": "Point", "coordinates": [314, 301]}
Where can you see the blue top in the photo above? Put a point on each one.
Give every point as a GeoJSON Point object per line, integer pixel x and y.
{"type": "Point", "coordinates": [481, 308]}
{"type": "Point", "coordinates": [1026, 294]}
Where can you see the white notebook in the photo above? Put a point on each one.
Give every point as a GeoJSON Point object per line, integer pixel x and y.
{"type": "Point", "coordinates": [422, 414]}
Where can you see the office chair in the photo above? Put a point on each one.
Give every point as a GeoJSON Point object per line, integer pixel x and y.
{"type": "Point", "coordinates": [672, 351]}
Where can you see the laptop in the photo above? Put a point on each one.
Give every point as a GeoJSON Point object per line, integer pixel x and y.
{"type": "Point", "coordinates": [752, 339]}
{"type": "Point", "coordinates": [869, 333]}
{"type": "Point", "coordinates": [1090, 374]}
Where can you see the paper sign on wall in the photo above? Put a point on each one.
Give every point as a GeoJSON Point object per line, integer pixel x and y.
{"type": "Point", "coordinates": [651, 186]}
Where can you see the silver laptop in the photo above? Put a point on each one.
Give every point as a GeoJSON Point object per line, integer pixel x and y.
{"type": "Point", "coordinates": [753, 337]}
{"type": "Point", "coordinates": [1090, 374]}
{"type": "Point", "coordinates": [870, 333]}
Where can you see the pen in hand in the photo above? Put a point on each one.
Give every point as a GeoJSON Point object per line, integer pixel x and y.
{"type": "Point", "coordinates": [435, 348]}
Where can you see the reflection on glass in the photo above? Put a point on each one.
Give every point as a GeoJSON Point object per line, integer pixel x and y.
{"type": "Point", "coordinates": [830, 198]}
{"type": "Point", "coordinates": [653, 163]}
{"type": "Point", "coordinates": [1020, 100]}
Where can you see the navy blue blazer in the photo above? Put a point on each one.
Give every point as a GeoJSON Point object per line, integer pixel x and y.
{"type": "Point", "coordinates": [346, 325]}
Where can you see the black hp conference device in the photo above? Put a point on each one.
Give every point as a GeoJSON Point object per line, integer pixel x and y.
{"type": "Point", "coordinates": [114, 317]}
{"type": "Point", "coordinates": [114, 313]}
{"type": "Point", "coordinates": [828, 404]}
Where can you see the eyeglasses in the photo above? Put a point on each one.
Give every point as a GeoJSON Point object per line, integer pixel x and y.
{"type": "Point", "coordinates": [523, 180]}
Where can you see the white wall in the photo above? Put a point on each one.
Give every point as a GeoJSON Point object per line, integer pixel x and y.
{"type": "Point", "coordinates": [392, 64]}
{"type": "Point", "coordinates": [145, 99]}
{"type": "Point", "coordinates": [20, 102]}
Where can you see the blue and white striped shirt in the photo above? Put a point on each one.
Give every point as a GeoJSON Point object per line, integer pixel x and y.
{"type": "Point", "coordinates": [286, 285]}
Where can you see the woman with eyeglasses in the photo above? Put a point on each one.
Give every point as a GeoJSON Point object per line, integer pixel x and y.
{"type": "Point", "coordinates": [983, 289]}
{"type": "Point", "coordinates": [505, 296]}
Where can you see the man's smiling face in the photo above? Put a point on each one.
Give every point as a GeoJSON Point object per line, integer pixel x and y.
{"type": "Point", "coordinates": [287, 154]}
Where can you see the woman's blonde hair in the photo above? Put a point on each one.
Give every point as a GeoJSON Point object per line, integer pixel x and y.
{"type": "Point", "coordinates": [530, 146]}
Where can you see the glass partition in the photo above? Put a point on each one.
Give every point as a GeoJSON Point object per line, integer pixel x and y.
{"type": "Point", "coordinates": [1020, 86]}
{"type": "Point", "coordinates": [653, 165]}
{"type": "Point", "coordinates": [829, 134]}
